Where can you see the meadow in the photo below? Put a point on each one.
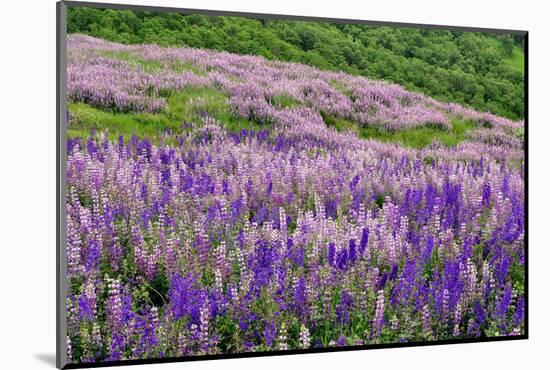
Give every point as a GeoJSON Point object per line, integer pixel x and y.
{"type": "Point", "coordinates": [222, 203]}
{"type": "Point", "coordinates": [481, 70]}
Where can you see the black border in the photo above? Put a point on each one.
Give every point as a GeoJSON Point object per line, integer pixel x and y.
{"type": "Point", "coordinates": [61, 362]}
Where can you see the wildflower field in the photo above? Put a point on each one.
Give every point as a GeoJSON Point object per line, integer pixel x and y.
{"type": "Point", "coordinates": [222, 203]}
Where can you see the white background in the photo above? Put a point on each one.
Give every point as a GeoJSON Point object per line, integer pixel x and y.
{"type": "Point", "coordinates": [27, 182]}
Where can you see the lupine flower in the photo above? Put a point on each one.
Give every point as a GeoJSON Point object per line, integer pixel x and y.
{"type": "Point", "coordinates": [204, 327]}
{"type": "Point", "coordinates": [304, 337]}
{"type": "Point", "coordinates": [379, 313]}
{"type": "Point", "coordinates": [174, 243]}
{"type": "Point", "coordinates": [426, 324]}
{"type": "Point", "coordinates": [270, 333]}
{"type": "Point", "coordinates": [69, 350]}
{"type": "Point", "coordinates": [282, 338]}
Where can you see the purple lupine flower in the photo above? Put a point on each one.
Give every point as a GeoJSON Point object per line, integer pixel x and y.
{"type": "Point", "coordinates": [154, 214]}
{"type": "Point", "coordinates": [426, 324]}
{"type": "Point", "coordinates": [520, 311]}
{"type": "Point", "coordinates": [505, 301]}
{"type": "Point", "coordinates": [270, 333]}
{"type": "Point", "coordinates": [364, 240]}
{"type": "Point", "coordinates": [342, 259]}
{"type": "Point", "coordinates": [352, 251]}
{"type": "Point", "coordinates": [379, 314]}
{"type": "Point", "coordinates": [486, 195]}
{"type": "Point", "coordinates": [331, 253]}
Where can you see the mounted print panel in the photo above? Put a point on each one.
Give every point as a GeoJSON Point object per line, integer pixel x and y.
{"type": "Point", "coordinates": [244, 185]}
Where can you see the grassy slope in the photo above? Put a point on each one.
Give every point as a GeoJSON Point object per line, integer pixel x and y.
{"type": "Point", "coordinates": [417, 137]}
{"type": "Point", "coordinates": [516, 60]}
{"type": "Point", "coordinates": [186, 107]}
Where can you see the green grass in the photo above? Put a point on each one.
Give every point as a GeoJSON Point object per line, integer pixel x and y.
{"type": "Point", "coordinates": [284, 101]}
{"type": "Point", "coordinates": [183, 107]}
{"type": "Point", "coordinates": [84, 118]}
{"type": "Point", "coordinates": [417, 137]}
{"type": "Point", "coordinates": [147, 65]}
{"type": "Point", "coordinates": [179, 67]}
{"type": "Point", "coordinates": [517, 60]}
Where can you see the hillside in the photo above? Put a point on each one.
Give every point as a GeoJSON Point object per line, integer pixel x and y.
{"type": "Point", "coordinates": [169, 86]}
{"type": "Point", "coordinates": [480, 70]}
